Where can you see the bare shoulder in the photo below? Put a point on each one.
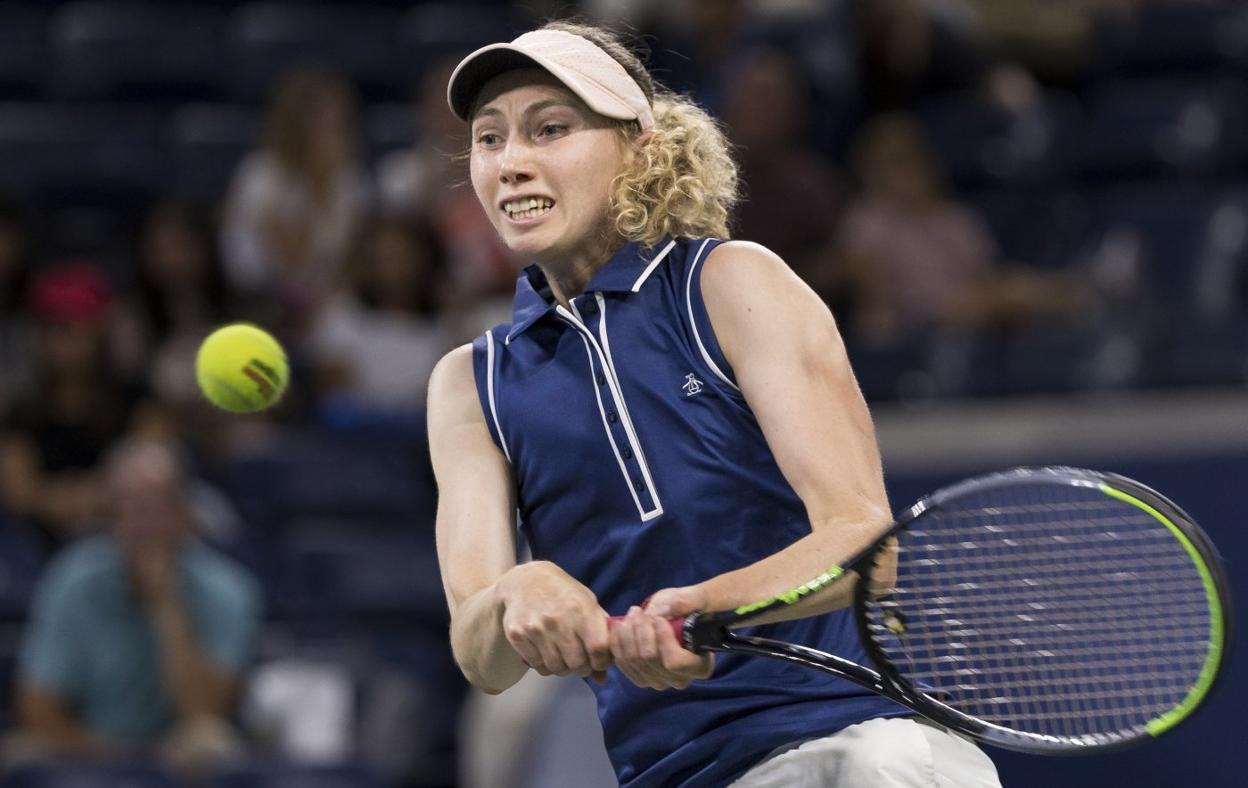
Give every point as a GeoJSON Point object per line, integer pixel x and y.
{"type": "Point", "coordinates": [736, 263]}
{"type": "Point", "coordinates": [453, 390]}
{"type": "Point", "coordinates": [745, 281]}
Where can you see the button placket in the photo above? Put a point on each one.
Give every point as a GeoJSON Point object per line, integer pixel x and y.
{"type": "Point", "coordinates": [628, 454]}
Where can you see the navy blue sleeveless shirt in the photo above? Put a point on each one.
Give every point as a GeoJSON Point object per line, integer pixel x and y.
{"type": "Point", "coordinates": [640, 466]}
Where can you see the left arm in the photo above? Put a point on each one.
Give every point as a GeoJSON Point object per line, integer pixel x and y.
{"type": "Point", "coordinates": [791, 366]}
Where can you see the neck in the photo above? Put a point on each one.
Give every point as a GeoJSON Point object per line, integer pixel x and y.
{"type": "Point", "coordinates": [570, 274]}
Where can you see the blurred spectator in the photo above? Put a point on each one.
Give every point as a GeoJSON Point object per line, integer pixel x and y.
{"type": "Point", "coordinates": [79, 405]}
{"type": "Point", "coordinates": [913, 48]}
{"type": "Point", "coordinates": [702, 48]}
{"type": "Point", "coordinates": [793, 197]}
{"type": "Point", "coordinates": [138, 638]}
{"type": "Point", "coordinates": [179, 296]}
{"type": "Point", "coordinates": [1054, 39]}
{"type": "Point", "coordinates": [293, 205]}
{"type": "Point", "coordinates": [378, 339]}
{"type": "Point", "coordinates": [15, 339]}
{"type": "Point", "coordinates": [916, 259]}
{"type": "Point", "coordinates": [430, 181]}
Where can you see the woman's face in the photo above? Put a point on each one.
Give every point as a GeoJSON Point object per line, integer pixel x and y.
{"type": "Point", "coordinates": [534, 140]}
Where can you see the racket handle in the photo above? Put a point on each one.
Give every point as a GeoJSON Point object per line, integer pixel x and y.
{"type": "Point", "coordinates": [677, 624]}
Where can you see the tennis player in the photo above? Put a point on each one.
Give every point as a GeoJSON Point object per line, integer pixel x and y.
{"type": "Point", "coordinates": [670, 416]}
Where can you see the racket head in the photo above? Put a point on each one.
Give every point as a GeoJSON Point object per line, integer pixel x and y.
{"type": "Point", "coordinates": [1086, 612]}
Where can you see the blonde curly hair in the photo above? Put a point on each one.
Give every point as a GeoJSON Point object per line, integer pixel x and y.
{"type": "Point", "coordinates": [682, 180]}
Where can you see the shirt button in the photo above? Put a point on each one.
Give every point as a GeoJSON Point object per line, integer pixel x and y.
{"type": "Point", "coordinates": [602, 379]}
{"type": "Point", "coordinates": [611, 417]}
{"type": "Point", "coordinates": [627, 453]}
{"type": "Point", "coordinates": [639, 485]}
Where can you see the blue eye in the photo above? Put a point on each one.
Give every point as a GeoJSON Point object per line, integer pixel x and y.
{"type": "Point", "coordinates": [550, 129]}
{"type": "Point", "coordinates": [488, 139]}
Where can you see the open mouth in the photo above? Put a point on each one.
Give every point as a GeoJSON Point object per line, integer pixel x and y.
{"type": "Point", "coordinates": [528, 207]}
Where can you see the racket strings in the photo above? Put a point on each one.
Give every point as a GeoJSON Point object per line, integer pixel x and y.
{"type": "Point", "coordinates": [1053, 611]}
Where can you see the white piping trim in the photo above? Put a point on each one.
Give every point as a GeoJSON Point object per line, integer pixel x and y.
{"type": "Point", "coordinates": [628, 482]}
{"type": "Point", "coordinates": [693, 322]}
{"type": "Point", "coordinates": [489, 387]}
{"type": "Point", "coordinates": [588, 339]}
{"type": "Point", "coordinates": [618, 390]}
{"type": "Point", "coordinates": [653, 264]}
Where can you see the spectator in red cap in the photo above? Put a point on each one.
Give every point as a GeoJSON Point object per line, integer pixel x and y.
{"type": "Point", "coordinates": [79, 405]}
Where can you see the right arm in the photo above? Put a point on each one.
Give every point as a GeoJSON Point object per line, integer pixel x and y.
{"type": "Point", "coordinates": [46, 717]}
{"type": "Point", "coordinates": [505, 617]}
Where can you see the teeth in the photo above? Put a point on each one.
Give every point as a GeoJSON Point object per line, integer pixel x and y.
{"type": "Point", "coordinates": [526, 208]}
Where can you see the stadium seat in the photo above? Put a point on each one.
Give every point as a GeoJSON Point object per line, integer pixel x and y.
{"type": "Point", "coordinates": [141, 50]}
{"type": "Point", "coordinates": [321, 473]}
{"type": "Point", "coordinates": [278, 775]}
{"type": "Point", "coordinates": [980, 143]}
{"type": "Point", "coordinates": [345, 567]}
{"type": "Point", "coordinates": [432, 31]}
{"type": "Point", "coordinates": [1150, 128]}
{"type": "Point", "coordinates": [205, 144]}
{"type": "Point", "coordinates": [267, 38]}
{"type": "Point", "coordinates": [63, 152]}
{"type": "Point", "coordinates": [389, 127]}
{"type": "Point", "coordinates": [86, 776]}
{"type": "Point", "coordinates": [1174, 36]}
{"type": "Point", "coordinates": [20, 563]}
{"type": "Point", "coordinates": [24, 50]}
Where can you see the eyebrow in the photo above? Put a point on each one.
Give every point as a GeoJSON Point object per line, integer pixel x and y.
{"type": "Point", "coordinates": [537, 106]}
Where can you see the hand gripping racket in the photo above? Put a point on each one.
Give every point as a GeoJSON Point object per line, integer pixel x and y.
{"type": "Point", "coordinates": [1047, 610]}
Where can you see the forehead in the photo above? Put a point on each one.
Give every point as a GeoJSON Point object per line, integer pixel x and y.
{"type": "Point", "coordinates": [515, 90]}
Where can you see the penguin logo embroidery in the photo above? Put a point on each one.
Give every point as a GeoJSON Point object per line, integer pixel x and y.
{"type": "Point", "coordinates": [692, 385]}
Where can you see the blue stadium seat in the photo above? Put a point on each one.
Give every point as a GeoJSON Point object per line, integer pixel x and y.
{"type": "Point", "coordinates": [1041, 226]}
{"type": "Point", "coordinates": [433, 31]}
{"type": "Point", "coordinates": [69, 775]}
{"type": "Point", "coordinates": [72, 152]}
{"type": "Point", "coordinates": [140, 50]}
{"type": "Point", "coordinates": [1156, 127]}
{"type": "Point", "coordinates": [346, 567]}
{"type": "Point", "coordinates": [206, 143]}
{"type": "Point", "coordinates": [1176, 36]}
{"type": "Point", "coordinates": [24, 50]}
{"type": "Point", "coordinates": [980, 143]}
{"type": "Point", "coordinates": [323, 473]}
{"type": "Point", "coordinates": [20, 564]}
{"type": "Point", "coordinates": [267, 38]}
{"type": "Point", "coordinates": [278, 775]}
{"type": "Point", "coordinates": [389, 127]}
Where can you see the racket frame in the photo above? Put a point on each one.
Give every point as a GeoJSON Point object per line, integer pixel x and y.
{"type": "Point", "coordinates": [700, 632]}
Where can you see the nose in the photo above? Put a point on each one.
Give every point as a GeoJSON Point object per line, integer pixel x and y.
{"type": "Point", "coordinates": [515, 165]}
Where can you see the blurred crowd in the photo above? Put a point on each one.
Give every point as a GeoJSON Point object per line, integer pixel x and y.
{"type": "Point", "coordinates": [1039, 196]}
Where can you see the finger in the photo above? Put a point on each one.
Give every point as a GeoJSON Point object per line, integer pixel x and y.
{"type": "Point", "coordinates": [551, 658]}
{"type": "Point", "coordinates": [597, 641]}
{"type": "Point", "coordinates": [677, 659]}
{"type": "Point", "coordinates": [572, 652]}
{"type": "Point", "coordinates": [529, 654]}
{"type": "Point", "coordinates": [647, 643]}
{"type": "Point", "coordinates": [625, 650]}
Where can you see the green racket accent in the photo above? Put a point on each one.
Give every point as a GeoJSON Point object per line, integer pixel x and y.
{"type": "Point", "coordinates": [793, 594]}
{"type": "Point", "coordinates": [1216, 633]}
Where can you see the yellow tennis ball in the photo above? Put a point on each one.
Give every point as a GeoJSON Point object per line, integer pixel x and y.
{"type": "Point", "coordinates": [241, 368]}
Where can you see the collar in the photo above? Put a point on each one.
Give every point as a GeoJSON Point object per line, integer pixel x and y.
{"type": "Point", "coordinates": [625, 272]}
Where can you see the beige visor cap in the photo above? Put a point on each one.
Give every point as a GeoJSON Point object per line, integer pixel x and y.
{"type": "Point", "coordinates": [579, 64]}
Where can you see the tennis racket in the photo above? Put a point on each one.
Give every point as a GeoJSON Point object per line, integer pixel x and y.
{"type": "Point", "coordinates": [1047, 610]}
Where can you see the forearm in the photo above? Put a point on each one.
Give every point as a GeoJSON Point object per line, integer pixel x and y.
{"type": "Point", "coordinates": [480, 646]}
{"type": "Point", "coordinates": [45, 718]}
{"type": "Point", "coordinates": [197, 686]}
{"type": "Point", "coordinates": [830, 546]}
